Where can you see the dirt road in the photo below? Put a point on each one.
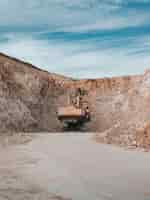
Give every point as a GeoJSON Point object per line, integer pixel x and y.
{"type": "Point", "coordinates": [72, 167]}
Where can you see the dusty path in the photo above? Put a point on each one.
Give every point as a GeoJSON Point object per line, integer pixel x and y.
{"type": "Point", "coordinates": [72, 166]}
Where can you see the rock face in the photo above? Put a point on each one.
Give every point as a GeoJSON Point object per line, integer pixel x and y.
{"type": "Point", "coordinates": [29, 98]}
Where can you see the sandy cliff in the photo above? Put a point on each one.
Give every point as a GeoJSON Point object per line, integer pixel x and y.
{"type": "Point", "coordinates": [29, 98]}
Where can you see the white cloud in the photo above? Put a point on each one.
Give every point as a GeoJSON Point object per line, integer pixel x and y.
{"type": "Point", "coordinates": [108, 23]}
{"type": "Point", "coordinates": [81, 58]}
{"type": "Point", "coordinates": [72, 60]}
{"type": "Point", "coordinates": [70, 15]}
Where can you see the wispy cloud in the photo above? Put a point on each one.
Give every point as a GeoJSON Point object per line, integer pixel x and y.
{"type": "Point", "coordinates": [70, 15]}
{"type": "Point", "coordinates": [82, 38]}
{"type": "Point", "coordinates": [81, 59]}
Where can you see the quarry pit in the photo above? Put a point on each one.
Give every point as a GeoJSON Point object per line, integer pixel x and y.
{"type": "Point", "coordinates": [39, 160]}
{"type": "Point", "coordinates": [29, 98]}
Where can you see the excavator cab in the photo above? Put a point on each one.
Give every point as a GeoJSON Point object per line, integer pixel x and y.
{"type": "Point", "coordinates": [76, 113]}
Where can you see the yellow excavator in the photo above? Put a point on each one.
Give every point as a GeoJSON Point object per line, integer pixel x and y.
{"type": "Point", "coordinates": [76, 113]}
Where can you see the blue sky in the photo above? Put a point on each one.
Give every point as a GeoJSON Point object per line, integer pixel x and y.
{"type": "Point", "coordinates": [78, 38]}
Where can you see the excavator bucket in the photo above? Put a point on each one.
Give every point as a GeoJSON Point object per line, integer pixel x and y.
{"type": "Point", "coordinates": [70, 111]}
{"type": "Point", "coordinates": [73, 114]}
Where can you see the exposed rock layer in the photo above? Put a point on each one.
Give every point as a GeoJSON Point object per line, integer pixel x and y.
{"type": "Point", "coordinates": [29, 98]}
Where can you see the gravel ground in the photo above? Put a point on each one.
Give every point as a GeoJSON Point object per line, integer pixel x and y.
{"type": "Point", "coordinates": [71, 166]}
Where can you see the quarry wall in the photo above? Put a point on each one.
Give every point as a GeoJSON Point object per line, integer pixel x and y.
{"type": "Point", "coordinates": [29, 98]}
